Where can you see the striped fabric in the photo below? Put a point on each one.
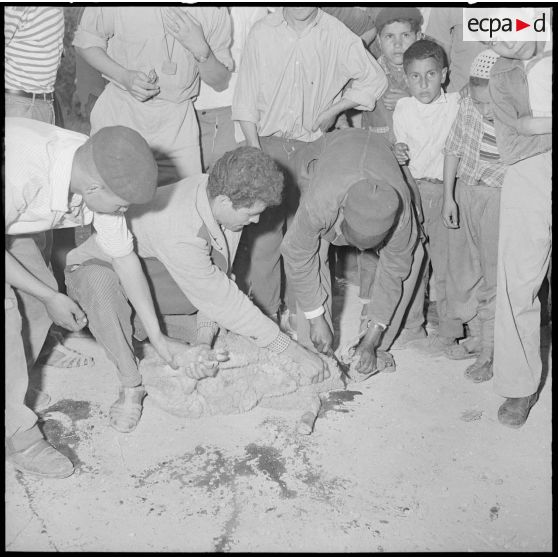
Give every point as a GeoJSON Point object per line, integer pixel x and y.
{"type": "Point", "coordinates": [33, 43]}
{"type": "Point", "coordinates": [488, 148]}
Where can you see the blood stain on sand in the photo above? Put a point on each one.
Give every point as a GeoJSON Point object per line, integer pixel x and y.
{"type": "Point", "coordinates": [336, 399]}
{"type": "Point", "coordinates": [268, 460]}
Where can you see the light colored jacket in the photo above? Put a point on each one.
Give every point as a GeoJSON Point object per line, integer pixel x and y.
{"type": "Point", "coordinates": [178, 229]}
{"type": "Point", "coordinates": [509, 92]}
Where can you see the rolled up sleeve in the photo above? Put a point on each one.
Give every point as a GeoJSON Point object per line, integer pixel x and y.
{"type": "Point", "coordinates": [394, 266]}
{"type": "Point", "coordinates": [244, 105]}
{"type": "Point", "coordinates": [113, 236]}
{"type": "Point", "coordinates": [369, 79]}
{"type": "Point", "coordinates": [220, 37]}
{"type": "Point", "coordinates": [95, 28]}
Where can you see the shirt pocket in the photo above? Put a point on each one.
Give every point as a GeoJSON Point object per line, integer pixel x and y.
{"type": "Point", "coordinates": [133, 54]}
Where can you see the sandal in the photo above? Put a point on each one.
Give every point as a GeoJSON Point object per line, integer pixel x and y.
{"type": "Point", "coordinates": [468, 348]}
{"type": "Point", "coordinates": [125, 412]}
{"type": "Point", "coordinates": [61, 356]}
{"type": "Point", "coordinates": [479, 371]}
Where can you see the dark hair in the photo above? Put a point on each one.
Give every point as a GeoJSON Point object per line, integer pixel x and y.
{"type": "Point", "coordinates": [246, 175]}
{"type": "Point", "coordinates": [423, 49]}
{"type": "Point", "coordinates": [414, 23]}
{"type": "Point", "coordinates": [475, 81]}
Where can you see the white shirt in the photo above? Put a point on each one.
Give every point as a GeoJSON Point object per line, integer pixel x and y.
{"type": "Point", "coordinates": [38, 160]}
{"type": "Point", "coordinates": [243, 17]}
{"type": "Point", "coordinates": [424, 128]}
{"type": "Point", "coordinates": [539, 81]}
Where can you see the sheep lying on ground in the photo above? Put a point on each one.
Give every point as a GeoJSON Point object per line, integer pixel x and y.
{"type": "Point", "coordinates": [250, 377]}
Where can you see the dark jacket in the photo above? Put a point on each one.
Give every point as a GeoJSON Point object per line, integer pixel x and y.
{"type": "Point", "coordinates": [339, 160]}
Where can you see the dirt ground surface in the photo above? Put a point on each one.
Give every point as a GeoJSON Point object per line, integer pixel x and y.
{"type": "Point", "coordinates": [410, 461]}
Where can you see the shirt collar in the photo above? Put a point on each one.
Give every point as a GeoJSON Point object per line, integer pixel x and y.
{"type": "Point", "coordinates": [61, 152]}
{"type": "Point", "coordinates": [277, 18]}
{"type": "Point", "coordinates": [204, 210]}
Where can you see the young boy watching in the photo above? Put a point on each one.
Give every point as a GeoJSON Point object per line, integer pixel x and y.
{"type": "Point", "coordinates": [525, 221]}
{"type": "Point", "coordinates": [421, 124]}
{"type": "Point", "coordinates": [471, 155]}
{"type": "Point", "coordinates": [398, 29]}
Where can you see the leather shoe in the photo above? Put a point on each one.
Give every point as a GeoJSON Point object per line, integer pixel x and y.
{"type": "Point", "coordinates": [515, 410]}
{"type": "Point", "coordinates": [42, 460]}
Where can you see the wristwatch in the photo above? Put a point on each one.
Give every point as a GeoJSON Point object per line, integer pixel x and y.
{"type": "Point", "coordinates": [383, 327]}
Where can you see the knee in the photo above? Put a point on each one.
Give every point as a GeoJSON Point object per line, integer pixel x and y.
{"type": "Point", "coordinates": [93, 284]}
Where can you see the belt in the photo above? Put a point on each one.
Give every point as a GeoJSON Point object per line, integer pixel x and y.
{"type": "Point", "coordinates": [20, 93]}
{"type": "Point", "coordinates": [433, 180]}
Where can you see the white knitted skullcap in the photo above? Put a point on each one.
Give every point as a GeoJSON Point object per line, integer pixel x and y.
{"type": "Point", "coordinates": [483, 63]}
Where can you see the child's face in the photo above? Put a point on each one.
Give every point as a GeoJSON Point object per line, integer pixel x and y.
{"type": "Point", "coordinates": [425, 78]}
{"type": "Point", "coordinates": [395, 39]}
{"type": "Point", "coordinates": [481, 99]}
{"type": "Point", "coordinates": [520, 50]}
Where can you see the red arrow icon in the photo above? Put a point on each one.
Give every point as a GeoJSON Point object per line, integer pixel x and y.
{"type": "Point", "coordinates": [519, 25]}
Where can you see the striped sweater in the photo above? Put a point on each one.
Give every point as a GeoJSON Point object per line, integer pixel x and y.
{"type": "Point", "coordinates": [33, 43]}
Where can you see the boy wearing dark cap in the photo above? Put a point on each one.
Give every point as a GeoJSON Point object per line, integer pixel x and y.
{"type": "Point", "coordinates": [421, 124]}
{"type": "Point", "coordinates": [356, 197]}
{"type": "Point", "coordinates": [55, 179]}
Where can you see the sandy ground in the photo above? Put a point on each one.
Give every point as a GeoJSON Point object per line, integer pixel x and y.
{"type": "Point", "coordinates": [405, 462]}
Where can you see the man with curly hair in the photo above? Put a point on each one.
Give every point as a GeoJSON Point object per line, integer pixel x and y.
{"type": "Point", "coordinates": [186, 239]}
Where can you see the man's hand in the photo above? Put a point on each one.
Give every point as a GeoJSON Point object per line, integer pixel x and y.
{"type": "Point", "coordinates": [168, 349]}
{"type": "Point", "coordinates": [63, 311]}
{"type": "Point", "coordinates": [365, 357]}
{"type": "Point", "coordinates": [325, 121]}
{"type": "Point", "coordinates": [392, 95]}
{"type": "Point", "coordinates": [206, 362]}
{"type": "Point", "coordinates": [401, 151]}
{"type": "Point", "coordinates": [313, 367]}
{"type": "Point", "coordinates": [450, 214]}
{"type": "Point", "coordinates": [186, 31]}
{"type": "Point", "coordinates": [321, 335]}
{"type": "Point", "coordinates": [464, 91]}
{"type": "Point", "coordinates": [139, 85]}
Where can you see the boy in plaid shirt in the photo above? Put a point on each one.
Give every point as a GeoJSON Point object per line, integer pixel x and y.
{"type": "Point", "coordinates": [473, 204]}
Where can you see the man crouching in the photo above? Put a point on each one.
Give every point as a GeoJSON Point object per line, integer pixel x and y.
{"type": "Point", "coordinates": [186, 239]}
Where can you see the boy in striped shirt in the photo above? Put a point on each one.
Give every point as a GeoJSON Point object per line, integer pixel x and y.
{"type": "Point", "coordinates": [473, 204]}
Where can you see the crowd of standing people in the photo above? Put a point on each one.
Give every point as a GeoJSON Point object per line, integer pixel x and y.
{"type": "Point", "coordinates": [233, 149]}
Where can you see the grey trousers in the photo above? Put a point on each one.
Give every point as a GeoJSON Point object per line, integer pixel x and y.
{"type": "Point", "coordinates": [437, 248]}
{"type": "Point", "coordinates": [216, 134]}
{"type": "Point", "coordinates": [95, 286]}
{"type": "Point", "coordinates": [471, 278]}
{"type": "Point", "coordinates": [525, 246]}
{"type": "Point", "coordinates": [26, 327]}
